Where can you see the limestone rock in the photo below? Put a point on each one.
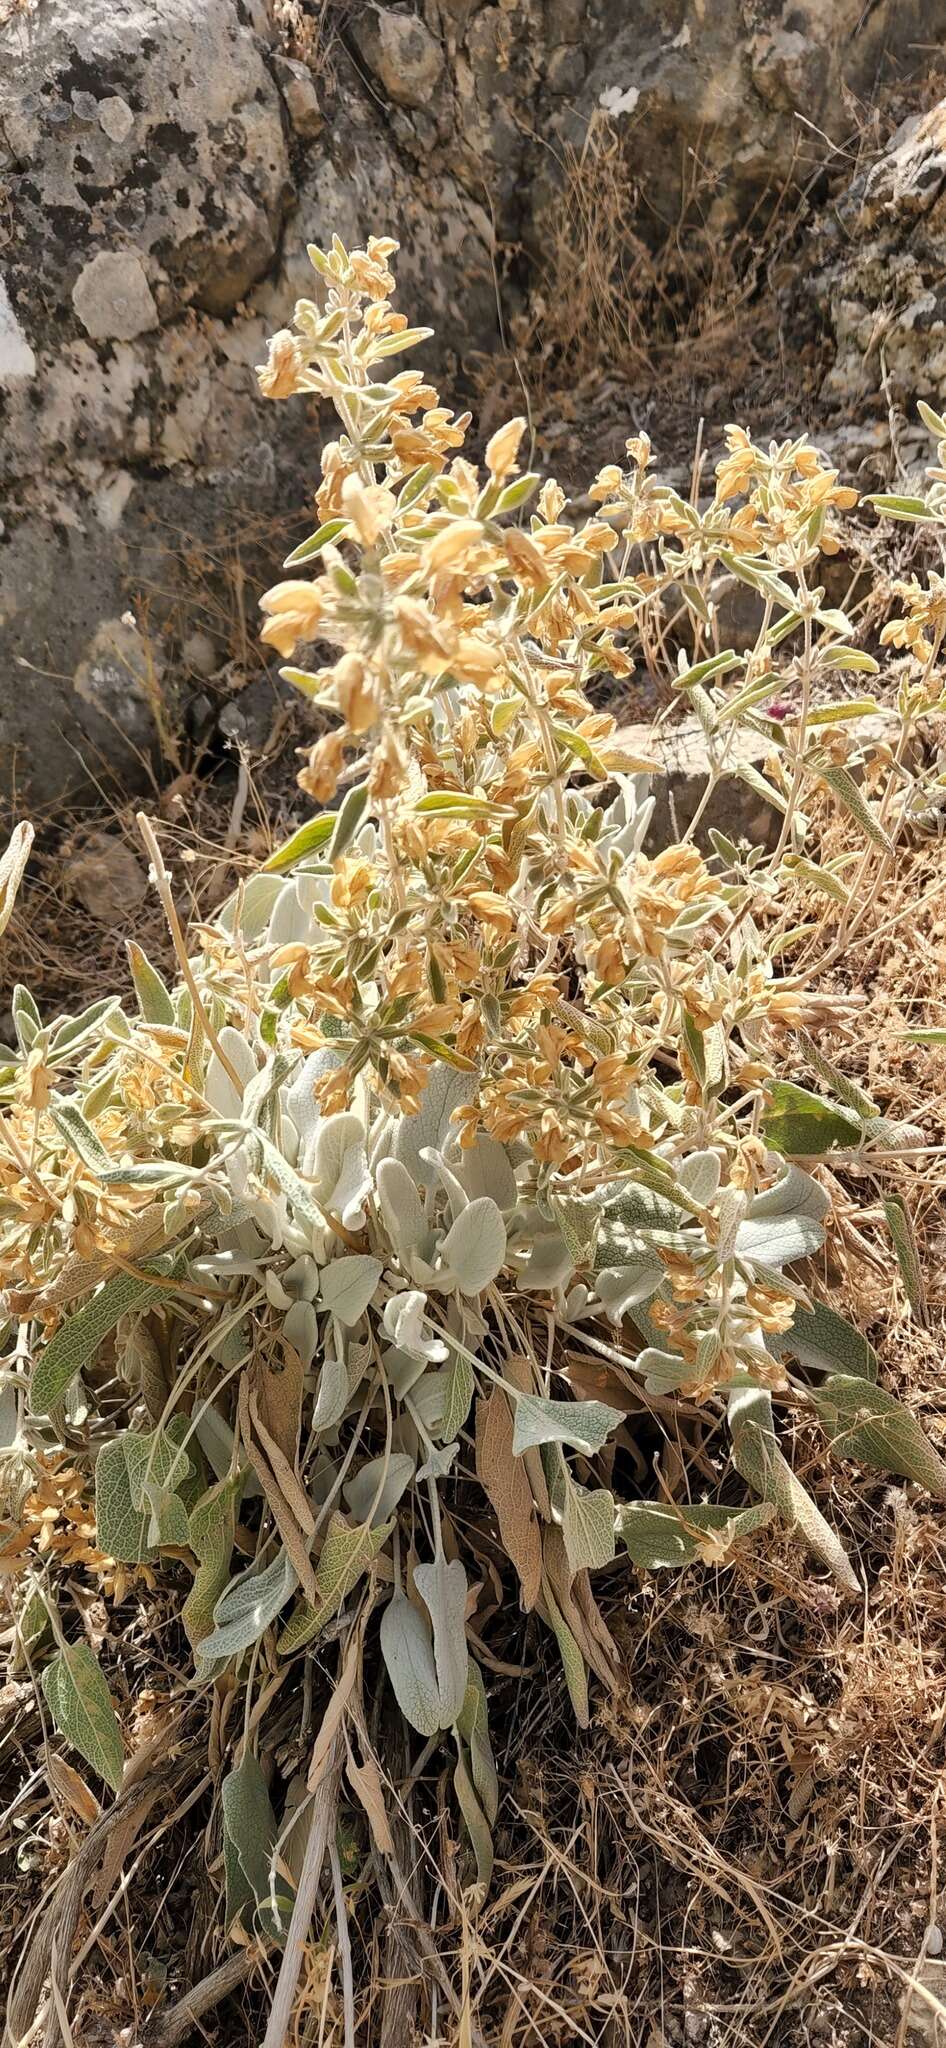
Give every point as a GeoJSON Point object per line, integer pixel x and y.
{"type": "Point", "coordinates": [17, 360]}
{"type": "Point", "coordinates": [106, 879]}
{"type": "Point", "coordinates": [300, 97]}
{"type": "Point", "coordinates": [404, 56]}
{"type": "Point", "coordinates": [112, 297]}
{"type": "Point", "coordinates": [881, 272]}
{"type": "Point", "coordinates": [166, 162]}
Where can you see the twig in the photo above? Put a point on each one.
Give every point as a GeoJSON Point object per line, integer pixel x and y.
{"type": "Point", "coordinates": [163, 885]}
{"type": "Point", "coordinates": [288, 1980]}
{"type": "Point", "coordinates": [176, 2024]}
{"type": "Point", "coordinates": [344, 1945]}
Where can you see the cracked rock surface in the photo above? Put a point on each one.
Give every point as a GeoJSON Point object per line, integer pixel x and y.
{"type": "Point", "coordinates": [163, 164]}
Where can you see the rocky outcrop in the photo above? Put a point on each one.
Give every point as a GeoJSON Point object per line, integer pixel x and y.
{"type": "Point", "coordinates": [164, 162]}
{"type": "Point", "coordinates": [882, 274]}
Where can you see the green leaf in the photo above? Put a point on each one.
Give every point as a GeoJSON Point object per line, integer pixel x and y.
{"type": "Point", "coordinates": [857, 661]}
{"type": "Point", "coordinates": [248, 1606]}
{"type": "Point", "coordinates": [715, 665]}
{"type": "Point", "coordinates": [210, 1533]}
{"type": "Point", "coordinates": [348, 1285]}
{"type": "Point", "coordinates": [908, 1257]}
{"type": "Point", "coordinates": [515, 494]}
{"type": "Point", "coordinates": [133, 1477]}
{"type": "Point", "coordinates": [385, 1478]}
{"type": "Point", "coordinates": [79, 1136]}
{"type": "Point", "coordinates": [757, 1458]}
{"type": "Point", "coordinates": [801, 1125]}
{"type": "Point", "coordinates": [657, 1534]}
{"type": "Point", "coordinates": [586, 1425]}
{"type": "Point", "coordinates": [455, 803]}
{"type": "Point", "coordinates": [80, 1336]}
{"type": "Point", "coordinates": [332, 529]}
{"type": "Point", "coordinates": [407, 1649]}
{"type": "Point", "coordinates": [475, 1821]}
{"type": "Point", "coordinates": [13, 862]}
{"type": "Point", "coordinates": [864, 1422]}
{"type": "Point", "coordinates": [901, 508]}
{"type": "Point", "coordinates": [443, 1588]}
{"type": "Point", "coordinates": [846, 1090]}
{"type": "Point", "coordinates": [931, 1035]}
{"type": "Point", "coordinates": [415, 487]}
{"type": "Point", "coordinates": [822, 1340]}
{"type": "Point", "coordinates": [409, 337]}
{"type": "Point", "coordinates": [26, 1018]}
{"type": "Point", "coordinates": [315, 833]}
{"type": "Point", "coordinates": [473, 1726]}
{"type": "Point", "coordinates": [348, 819]}
{"type": "Point", "coordinates": [458, 1394]}
{"type": "Point", "coordinates": [249, 1839]}
{"type": "Point", "coordinates": [80, 1704]}
{"type": "Point", "coordinates": [846, 790]}
{"type": "Point", "coordinates": [588, 1527]}
{"type": "Point", "coordinates": [573, 1663]}
{"type": "Point", "coordinates": [475, 1245]}
{"type": "Point", "coordinates": [344, 1557]}
{"type": "Point", "coordinates": [933, 420]}
{"type": "Point", "coordinates": [69, 1036]}
{"type": "Point", "coordinates": [153, 998]}
{"type": "Point", "coordinates": [816, 877]}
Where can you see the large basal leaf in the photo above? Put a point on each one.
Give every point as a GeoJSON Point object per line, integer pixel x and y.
{"type": "Point", "coordinates": [908, 1258]}
{"type": "Point", "coordinates": [573, 1663]}
{"type": "Point", "coordinates": [131, 1474]}
{"type": "Point", "coordinates": [340, 1167]}
{"type": "Point", "coordinates": [794, 1193]}
{"type": "Point", "coordinates": [475, 1245]}
{"type": "Point", "coordinates": [776, 1241]}
{"type": "Point", "coordinates": [657, 1534]}
{"type": "Point", "coordinates": [377, 1486]}
{"type": "Point", "coordinates": [248, 1606]}
{"type": "Point", "coordinates": [443, 1588]}
{"type": "Point", "coordinates": [348, 1285]}
{"type": "Point", "coordinates": [757, 1457]}
{"type": "Point", "coordinates": [475, 1820]}
{"type": "Point", "coordinates": [254, 1895]}
{"type": "Point", "coordinates": [621, 1288]}
{"type": "Point", "coordinates": [473, 1726]}
{"type": "Point", "coordinates": [586, 1425]}
{"type": "Point", "coordinates": [446, 1090]}
{"type": "Point", "coordinates": [80, 1704]}
{"type": "Point", "coordinates": [822, 1341]}
{"type": "Point", "coordinates": [408, 1652]}
{"type": "Point", "coordinates": [80, 1336]}
{"type": "Point", "coordinates": [210, 1532]}
{"type": "Point", "coordinates": [345, 1555]}
{"type": "Point", "coordinates": [588, 1526]}
{"type": "Point", "coordinates": [864, 1422]}
{"type": "Point", "coordinates": [800, 1125]}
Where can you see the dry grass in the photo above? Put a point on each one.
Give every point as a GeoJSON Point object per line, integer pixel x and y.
{"type": "Point", "coordinates": [646, 306]}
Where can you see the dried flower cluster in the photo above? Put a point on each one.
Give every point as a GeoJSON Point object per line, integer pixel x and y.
{"type": "Point", "coordinates": [466, 1122]}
